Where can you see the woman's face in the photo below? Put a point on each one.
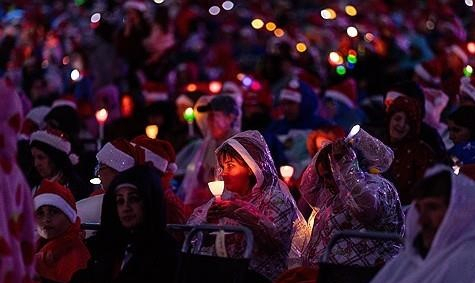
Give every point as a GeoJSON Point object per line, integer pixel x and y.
{"type": "Point", "coordinates": [43, 164]}
{"type": "Point", "coordinates": [236, 176]}
{"type": "Point", "coordinates": [398, 126]}
{"type": "Point", "coordinates": [458, 134]}
{"type": "Point", "coordinates": [130, 207]}
{"type": "Point", "coordinates": [51, 222]}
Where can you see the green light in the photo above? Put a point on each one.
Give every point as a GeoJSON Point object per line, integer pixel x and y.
{"type": "Point", "coordinates": [79, 2]}
{"type": "Point", "coordinates": [351, 59]}
{"type": "Point", "coordinates": [188, 115]}
{"type": "Point", "coordinates": [468, 71]}
{"type": "Point", "coordinates": [341, 70]}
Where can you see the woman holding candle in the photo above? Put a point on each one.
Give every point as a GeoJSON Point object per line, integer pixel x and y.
{"type": "Point", "coordinates": [255, 197]}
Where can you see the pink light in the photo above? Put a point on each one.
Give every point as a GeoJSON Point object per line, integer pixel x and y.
{"type": "Point", "coordinates": [215, 86]}
{"type": "Point", "coordinates": [256, 86]}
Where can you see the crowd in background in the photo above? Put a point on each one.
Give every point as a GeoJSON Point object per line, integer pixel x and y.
{"type": "Point", "coordinates": [203, 90]}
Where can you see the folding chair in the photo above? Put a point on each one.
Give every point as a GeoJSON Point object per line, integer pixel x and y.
{"type": "Point", "coordinates": [90, 228]}
{"type": "Point", "coordinates": [195, 267]}
{"type": "Point", "coordinates": [339, 273]}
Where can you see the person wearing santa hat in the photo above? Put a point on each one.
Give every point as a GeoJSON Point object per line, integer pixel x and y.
{"type": "Point", "coordinates": [61, 252]}
{"type": "Point", "coordinates": [132, 244]}
{"type": "Point", "coordinates": [114, 157]}
{"type": "Point", "coordinates": [54, 160]}
{"type": "Point", "coordinates": [161, 155]}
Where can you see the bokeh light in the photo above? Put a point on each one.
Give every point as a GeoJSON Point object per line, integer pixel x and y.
{"type": "Point", "coordinates": [471, 47]}
{"type": "Point", "coordinates": [350, 10]}
{"type": "Point", "coordinates": [271, 26]}
{"type": "Point", "coordinates": [95, 18]}
{"type": "Point", "coordinates": [341, 70]}
{"type": "Point", "coordinates": [227, 5]}
{"type": "Point", "coordinates": [214, 10]}
{"type": "Point", "coordinates": [279, 32]}
{"type": "Point", "coordinates": [335, 59]}
{"type": "Point", "coordinates": [328, 14]}
{"type": "Point", "coordinates": [257, 23]}
{"type": "Point", "coordinates": [468, 71]}
{"type": "Point", "coordinates": [301, 47]}
{"type": "Point", "coordinates": [215, 86]}
{"type": "Point", "coordinates": [352, 31]}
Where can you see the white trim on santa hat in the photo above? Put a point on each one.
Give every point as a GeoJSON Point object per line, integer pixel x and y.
{"type": "Point", "coordinates": [56, 201]}
{"type": "Point", "coordinates": [459, 52]}
{"type": "Point", "coordinates": [135, 5]}
{"type": "Point", "coordinates": [184, 99]}
{"type": "Point", "coordinates": [155, 96]}
{"type": "Point", "coordinates": [291, 95]}
{"type": "Point", "coordinates": [38, 114]}
{"type": "Point", "coordinates": [425, 75]}
{"type": "Point", "coordinates": [64, 102]}
{"type": "Point", "coordinates": [467, 88]}
{"type": "Point", "coordinates": [52, 140]}
{"type": "Point", "coordinates": [115, 158]}
{"type": "Point", "coordinates": [339, 97]}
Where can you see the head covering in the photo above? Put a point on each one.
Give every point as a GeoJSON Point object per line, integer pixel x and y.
{"type": "Point", "coordinates": [154, 92]}
{"type": "Point", "coordinates": [65, 101]}
{"type": "Point", "coordinates": [344, 92]}
{"type": "Point", "coordinates": [34, 121]}
{"type": "Point", "coordinates": [57, 140]}
{"type": "Point", "coordinates": [159, 152]}
{"type": "Point", "coordinates": [291, 92]}
{"type": "Point", "coordinates": [452, 246]}
{"type": "Point", "coordinates": [459, 51]}
{"type": "Point", "coordinates": [55, 194]}
{"type": "Point", "coordinates": [429, 71]}
{"type": "Point", "coordinates": [223, 103]}
{"type": "Point", "coordinates": [118, 154]}
{"type": "Point", "coordinates": [411, 108]}
{"type": "Point", "coordinates": [464, 116]}
{"type": "Point", "coordinates": [138, 5]}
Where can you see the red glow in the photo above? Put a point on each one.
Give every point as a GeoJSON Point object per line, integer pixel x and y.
{"type": "Point", "coordinates": [127, 106]}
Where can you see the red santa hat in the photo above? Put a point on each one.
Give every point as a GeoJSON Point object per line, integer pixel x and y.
{"type": "Point", "coordinates": [459, 51]}
{"type": "Point", "coordinates": [57, 139]}
{"type": "Point", "coordinates": [65, 101]}
{"type": "Point", "coordinates": [136, 5]}
{"type": "Point", "coordinates": [344, 92]}
{"type": "Point", "coordinates": [55, 194]}
{"type": "Point", "coordinates": [154, 92]}
{"type": "Point", "coordinates": [33, 121]}
{"type": "Point", "coordinates": [159, 152]}
{"type": "Point", "coordinates": [118, 154]}
{"type": "Point", "coordinates": [467, 87]}
{"type": "Point", "coordinates": [291, 92]}
{"type": "Point", "coordinates": [429, 71]}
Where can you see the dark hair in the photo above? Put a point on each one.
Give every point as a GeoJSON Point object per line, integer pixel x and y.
{"type": "Point", "coordinates": [437, 185]}
{"type": "Point", "coordinates": [464, 116]}
{"type": "Point", "coordinates": [323, 157]}
{"type": "Point", "coordinates": [228, 151]}
{"type": "Point", "coordinates": [58, 157]}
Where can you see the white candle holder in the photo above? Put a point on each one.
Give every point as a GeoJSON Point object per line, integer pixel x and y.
{"type": "Point", "coordinates": [216, 188]}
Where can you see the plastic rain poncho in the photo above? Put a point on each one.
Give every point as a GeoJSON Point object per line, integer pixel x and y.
{"type": "Point", "coordinates": [279, 229]}
{"type": "Point", "coordinates": [200, 163]}
{"type": "Point", "coordinates": [362, 202]}
{"type": "Point", "coordinates": [450, 258]}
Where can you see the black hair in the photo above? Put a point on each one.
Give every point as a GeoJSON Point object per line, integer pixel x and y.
{"type": "Point", "coordinates": [437, 185]}
{"type": "Point", "coordinates": [464, 116]}
{"type": "Point", "coordinates": [58, 157]}
{"type": "Point", "coordinates": [227, 151]}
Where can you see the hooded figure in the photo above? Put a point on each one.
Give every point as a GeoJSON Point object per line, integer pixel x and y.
{"type": "Point", "coordinates": [16, 206]}
{"type": "Point", "coordinates": [450, 256]}
{"type": "Point", "coordinates": [132, 244]}
{"type": "Point", "coordinates": [346, 197]}
{"type": "Point", "coordinates": [264, 205]}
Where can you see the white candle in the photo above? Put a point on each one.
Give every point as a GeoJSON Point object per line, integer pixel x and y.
{"type": "Point", "coordinates": [216, 188]}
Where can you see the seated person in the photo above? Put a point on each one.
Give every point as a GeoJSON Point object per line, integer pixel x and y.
{"type": "Point", "coordinates": [440, 228]}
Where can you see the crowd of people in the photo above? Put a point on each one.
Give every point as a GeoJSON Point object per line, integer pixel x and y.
{"type": "Point", "coordinates": [119, 113]}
